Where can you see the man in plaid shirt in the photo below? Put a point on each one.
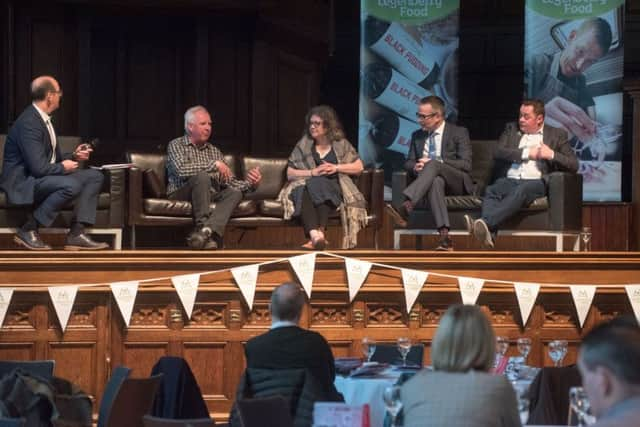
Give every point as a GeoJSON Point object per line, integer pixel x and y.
{"type": "Point", "coordinates": [197, 173]}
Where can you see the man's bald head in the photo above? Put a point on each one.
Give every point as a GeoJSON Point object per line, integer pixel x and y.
{"type": "Point", "coordinates": [42, 86]}
{"type": "Point", "coordinates": [287, 301]}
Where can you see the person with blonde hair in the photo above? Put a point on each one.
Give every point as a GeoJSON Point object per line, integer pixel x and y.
{"type": "Point", "coordinates": [460, 391]}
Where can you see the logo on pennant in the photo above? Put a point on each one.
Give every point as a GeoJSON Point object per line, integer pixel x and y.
{"type": "Point", "coordinates": [357, 272]}
{"type": "Point", "coordinates": [526, 294]}
{"type": "Point", "coordinates": [187, 288]}
{"type": "Point", "coordinates": [246, 278]}
{"type": "Point", "coordinates": [5, 300]}
{"type": "Point", "coordinates": [413, 281]}
{"type": "Point", "coordinates": [582, 298]}
{"type": "Point", "coordinates": [125, 295]}
{"type": "Point", "coordinates": [633, 292]}
{"type": "Point", "coordinates": [62, 298]}
{"type": "Point", "coordinates": [470, 289]}
{"type": "Point", "coordinates": [304, 266]}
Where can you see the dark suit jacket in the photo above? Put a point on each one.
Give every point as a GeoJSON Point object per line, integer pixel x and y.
{"type": "Point", "coordinates": [455, 151]}
{"type": "Point", "coordinates": [27, 153]}
{"type": "Point", "coordinates": [508, 152]}
{"type": "Point", "coordinates": [292, 347]}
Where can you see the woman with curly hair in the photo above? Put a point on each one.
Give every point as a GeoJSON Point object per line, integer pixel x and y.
{"type": "Point", "coordinates": [319, 173]}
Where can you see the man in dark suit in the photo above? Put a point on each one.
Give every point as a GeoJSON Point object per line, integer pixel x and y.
{"type": "Point", "coordinates": [440, 160]}
{"type": "Point", "coordinates": [287, 346]}
{"type": "Point", "coordinates": [526, 154]}
{"type": "Point", "coordinates": [36, 173]}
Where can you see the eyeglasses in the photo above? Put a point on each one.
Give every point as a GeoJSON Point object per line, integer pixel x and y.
{"type": "Point", "coordinates": [425, 116]}
{"type": "Point", "coordinates": [316, 123]}
{"type": "Point", "coordinates": [59, 92]}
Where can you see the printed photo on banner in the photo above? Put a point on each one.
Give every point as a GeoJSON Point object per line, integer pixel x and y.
{"type": "Point", "coordinates": [574, 63]}
{"type": "Point", "coordinates": [408, 51]}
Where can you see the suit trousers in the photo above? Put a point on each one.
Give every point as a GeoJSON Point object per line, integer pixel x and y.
{"type": "Point", "coordinates": [199, 191]}
{"type": "Point", "coordinates": [434, 181]}
{"type": "Point", "coordinates": [507, 196]}
{"type": "Point", "coordinates": [53, 192]}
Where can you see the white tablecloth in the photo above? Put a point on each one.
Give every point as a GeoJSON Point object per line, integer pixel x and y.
{"type": "Point", "coordinates": [358, 391]}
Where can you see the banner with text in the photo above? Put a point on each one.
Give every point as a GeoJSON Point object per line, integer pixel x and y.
{"type": "Point", "coordinates": [574, 63]}
{"type": "Point", "coordinates": [409, 50]}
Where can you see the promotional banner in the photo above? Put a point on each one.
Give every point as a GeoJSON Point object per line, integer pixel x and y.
{"type": "Point", "coordinates": [187, 288]}
{"type": "Point", "coordinates": [125, 295]}
{"type": "Point", "coordinates": [408, 51]}
{"type": "Point", "coordinates": [304, 266]}
{"type": "Point", "coordinates": [357, 272]}
{"type": "Point", "coordinates": [470, 288]}
{"type": "Point", "coordinates": [526, 294]}
{"type": "Point", "coordinates": [413, 280]}
{"type": "Point", "coordinates": [246, 278]}
{"type": "Point", "coordinates": [62, 298]}
{"type": "Point", "coordinates": [582, 298]}
{"type": "Point", "coordinates": [574, 63]}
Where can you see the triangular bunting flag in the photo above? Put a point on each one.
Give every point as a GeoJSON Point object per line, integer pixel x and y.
{"type": "Point", "coordinates": [582, 298]}
{"type": "Point", "coordinates": [526, 294]}
{"type": "Point", "coordinates": [187, 288]}
{"type": "Point", "coordinates": [246, 278]}
{"type": "Point", "coordinates": [470, 289]}
{"type": "Point", "coordinates": [413, 281]}
{"type": "Point", "coordinates": [633, 292]}
{"type": "Point", "coordinates": [304, 266]}
{"type": "Point", "coordinates": [63, 298]}
{"type": "Point", "coordinates": [357, 272]}
{"type": "Point", "coordinates": [5, 300]}
{"type": "Point", "coordinates": [125, 295]}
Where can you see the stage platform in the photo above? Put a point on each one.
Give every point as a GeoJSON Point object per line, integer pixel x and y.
{"type": "Point", "coordinates": [96, 338]}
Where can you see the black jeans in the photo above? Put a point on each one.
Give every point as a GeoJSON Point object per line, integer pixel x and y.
{"type": "Point", "coordinates": [313, 216]}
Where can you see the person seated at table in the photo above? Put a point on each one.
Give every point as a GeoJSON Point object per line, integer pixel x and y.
{"type": "Point", "coordinates": [609, 365]}
{"type": "Point", "coordinates": [319, 174]}
{"type": "Point", "coordinates": [460, 391]}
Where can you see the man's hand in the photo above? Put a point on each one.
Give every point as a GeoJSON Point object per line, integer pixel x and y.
{"type": "Point", "coordinates": [82, 152]}
{"type": "Point", "coordinates": [69, 165]}
{"type": "Point", "coordinates": [565, 114]}
{"type": "Point", "coordinates": [254, 177]}
{"type": "Point", "coordinates": [223, 169]}
{"type": "Point", "coordinates": [420, 164]}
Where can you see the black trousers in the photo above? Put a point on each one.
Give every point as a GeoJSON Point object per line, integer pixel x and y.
{"type": "Point", "coordinates": [314, 216]}
{"type": "Point", "coordinates": [199, 191]}
{"type": "Point", "coordinates": [506, 196]}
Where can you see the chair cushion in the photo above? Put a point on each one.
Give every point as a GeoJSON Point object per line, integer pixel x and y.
{"type": "Point", "coordinates": [180, 208]}
{"type": "Point", "coordinates": [153, 185]}
{"type": "Point", "coordinates": [270, 207]}
{"type": "Point", "coordinates": [104, 201]}
{"type": "Point", "coordinates": [274, 176]}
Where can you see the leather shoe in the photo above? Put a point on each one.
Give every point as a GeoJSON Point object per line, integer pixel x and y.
{"type": "Point", "coordinates": [83, 242]}
{"type": "Point", "coordinates": [397, 219]}
{"type": "Point", "coordinates": [482, 233]}
{"type": "Point", "coordinates": [445, 244]}
{"type": "Point", "coordinates": [30, 240]}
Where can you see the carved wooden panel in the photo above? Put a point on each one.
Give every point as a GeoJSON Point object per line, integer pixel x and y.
{"type": "Point", "coordinates": [76, 362]}
{"type": "Point", "coordinates": [141, 356]}
{"type": "Point", "coordinates": [17, 351]}
{"type": "Point", "coordinates": [208, 315]}
{"type": "Point", "coordinates": [207, 361]}
{"type": "Point", "coordinates": [335, 315]}
{"type": "Point", "coordinates": [385, 315]}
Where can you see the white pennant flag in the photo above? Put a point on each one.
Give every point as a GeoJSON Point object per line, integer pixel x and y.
{"type": "Point", "coordinates": [357, 272]}
{"type": "Point", "coordinates": [63, 298]}
{"type": "Point", "coordinates": [413, 281]}
{"type": "Point", "coordinates": [304, 266]}
{"type": "Point", "coordinates": [246, 278]}
{"type": "Point", "coordinates": [470, 289]}
{"type": "Point", "coordinates": [526, 294]}
{"type": "Point", "coordinates": [125, 295]}
{"type": "Point", "coordinates": [187, 288]}
{"type": "Point", "coordinates": [633, 292]}
{"type": "Point", "coordinates": [582, 298]}
{"type": "Point", "coordinates": [5, 300]}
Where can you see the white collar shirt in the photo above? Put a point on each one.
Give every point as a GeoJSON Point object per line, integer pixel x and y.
{"type": "Point", "coordinates": [437, 138]}
{"type": "Point", "coordinates": [527, 169]}
{"type": "Point", "coordinates": [52, 133]}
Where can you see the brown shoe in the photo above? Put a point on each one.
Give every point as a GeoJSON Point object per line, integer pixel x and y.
{"type": "Point", "coordinates": [397, 219]}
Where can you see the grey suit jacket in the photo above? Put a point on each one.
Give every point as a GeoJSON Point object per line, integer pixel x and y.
{"type": "Point", "coordinates": [471, 399]}
{"type": "Point", "coordinates": [455, 151]}
{"type": "Point", "coordinates": [508, 152]}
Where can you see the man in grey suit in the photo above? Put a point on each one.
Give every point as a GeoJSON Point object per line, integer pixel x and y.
{"type": "Point", "coordinates": [526, 154]}
{"type": "Point", "coordinates": [440, 160]}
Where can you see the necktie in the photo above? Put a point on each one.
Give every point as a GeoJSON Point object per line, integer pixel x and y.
{"type": "Point", "coordinates": [431, 145]}
{"type": "Point", "coordinates": [52, 137]}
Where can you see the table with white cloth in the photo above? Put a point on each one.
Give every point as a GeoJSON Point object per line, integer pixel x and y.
{"type": "Point", "coordinates": [368, 390]}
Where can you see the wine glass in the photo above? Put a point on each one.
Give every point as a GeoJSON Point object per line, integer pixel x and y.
{"type": "Point", "coordinates": [524, 347]}
{"type": "Point", "coordinates": [391, 397]}
{"type": "Point", "coordinates": [585, 235]}
{"type": "Point", "coordinates": [368, 347]}
{"type": "Point", "coordinates": [404, 346]}
{"type": "Point", "coordinates": [557, 351]}
{"type": "Point", "coordinates": [580, 406]}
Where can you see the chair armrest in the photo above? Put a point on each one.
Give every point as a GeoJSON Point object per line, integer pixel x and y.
{"type": "Point", "coordinates": [135, 195]}
{"type": "Point", "coordinates": [399, 181]}
{"type": "Point", "coordinates": [116, 182]}
{"type": "Point", "coordinates": [565, 201]}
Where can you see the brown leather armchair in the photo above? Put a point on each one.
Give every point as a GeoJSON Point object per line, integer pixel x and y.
{"type": "Point", "coordinates": [109, 215]}
{"type": "Point", "coordinates": [148, 203]}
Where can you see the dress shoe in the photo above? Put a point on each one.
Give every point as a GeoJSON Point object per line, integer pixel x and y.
{"type": "Point", "coordinates": [398, 220]}
{"type": "Point", "coordinates": [468, 223]}
{"type": "Point", "coordinates": [445, 244]}
{"type": "Point", "coordinates": [197, 239]}
{"type": "Point", "coordinates": [482, 233]}
{"type": "Point", "coordinates": [211, 245]}
{"type": "Point", "coordinates": [83, 242]}
{"type": "Point", "coordinates": [30, 240]}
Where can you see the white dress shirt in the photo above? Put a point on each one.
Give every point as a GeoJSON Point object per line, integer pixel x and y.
{"type": "Point", "coordinates": [437, 137]}
{"type": "Point", "coordinates": [52, 132]}
{"type": "Point", "coordinates": [527, 169]}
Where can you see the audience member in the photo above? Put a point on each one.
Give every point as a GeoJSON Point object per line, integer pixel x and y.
{"type": "Point", "coordinates": [460, 391]}
{"type": "Point", "coordinates": [320, 169]}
